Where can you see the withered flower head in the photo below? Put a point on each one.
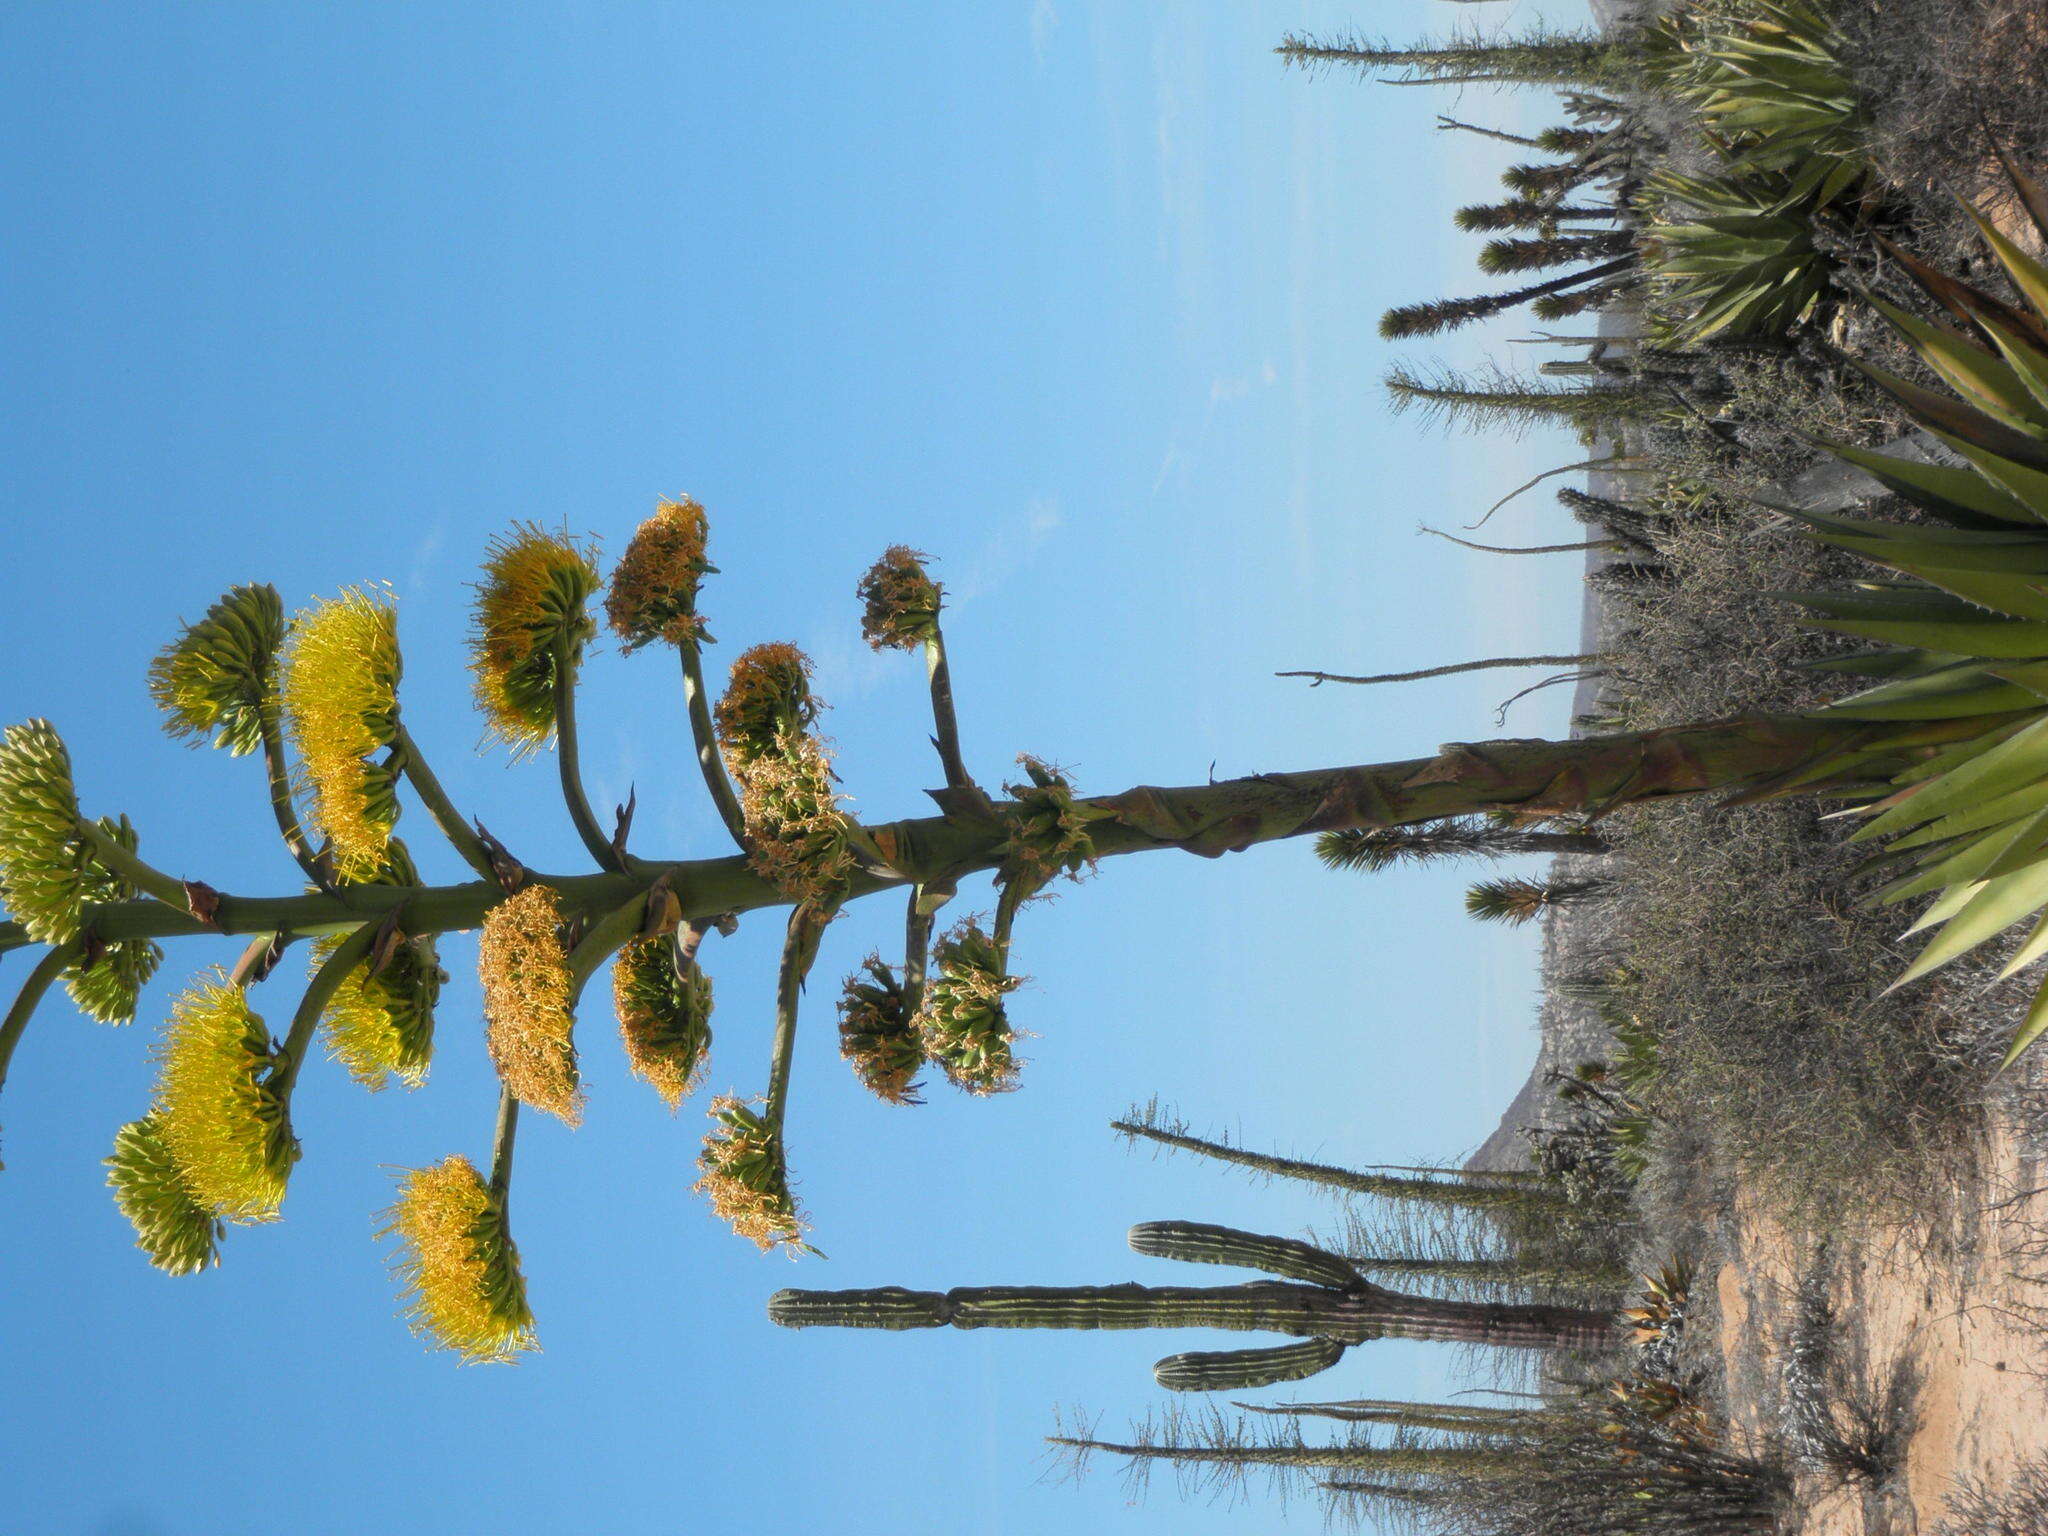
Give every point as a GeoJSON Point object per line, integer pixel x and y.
{"type": "Point", "coordinates": [876, 1037]}
{"type": "Point", "coordinates": [798, 838]}
{"type": "Point", "coordinates": [664, 1017]}
{"type": "Point", "coordinates": [457, 1267]}
{"type": "Point", "coordinates": [654, 591]}
{"type": "Point", "coordinates": [746, 1178]}
{"type": "Point", "coordinates": [900, 601]}
{"type": "Point", "coordinates": [526, 985]}
{"type": "Point", "coordinates": [963, 1024]}
{"type": "Point", "coordinates": [767, 700]}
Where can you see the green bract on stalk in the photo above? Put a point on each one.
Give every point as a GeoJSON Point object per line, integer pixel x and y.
{"type": "Point", "coordinates": [653, 593]}
{"type": "Point", "coordinates": [900, 602]}
{"type": "Point", "coordinates": [664, 1008]}
{"type": "Point", "coordinates": [876, 1035]}
{"type": "Point", "coordinates": [179, 1233]}
{"type": "Point", "coordinates": [797, 837]}
{"type": "Point", "coordinates": [216, 680]}
{"type": "Point", "coordinates": [341, 698]}
{"type": "Point", "coordinates": [746, 1178]}
{"type": "Point", "coordinates": [1049, 833]}
{"type": "Point", "coordinates": [215, 1111]}
{"type": "Point", "coordinates": [530, 623]}
{"type": "Point", "coordinates": [963, 1026]}
{"type": "Point", "coordinates": [43, 869]}
{"type": "Point", "coordinates": [457, 1267]}
{"type": "Point", "coordinates": [527, 999]}
{"type": "Point", "coordinates": [107, 979]}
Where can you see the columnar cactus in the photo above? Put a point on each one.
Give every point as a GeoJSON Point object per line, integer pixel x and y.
{"type": "Point", "coordinates": [1321, 1299]}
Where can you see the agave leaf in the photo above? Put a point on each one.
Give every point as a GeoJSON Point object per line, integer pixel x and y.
{"type": "Point", "coordinates": [1976, 372]}
{"type": "Point", "coordinates": [2028, 363]}
{"type": "Point", "coordinates": [2031, 194]}
{"type": "Point", "coordinates": [2021, 758]}
{"type": "Point", "coordinates": [1995, 907]}
{"type": "Point", "coordinates": [1984, 636]}
{"type": "Point", "coordinates": [1944, 907]}
{"type": "Point", "coordinates": [1974, 818]}
{"type": "Point", "coordinates": [1958, 495]}
{"type": "Point", "coordinates": [1978, 860]}
{"type": "Point", "coordinates": [1956, 690]}
{"type": "Point", "coordinates": [1968, 304]}
{"type": "Point", "coordinates": [2031, 1026]}
{"type": "Point", "coordinates": [2027, 274]}
{"type": "Point", "coordinates": [1952, 418]}
{"type": "Point", "coordinates": [2035, 947]}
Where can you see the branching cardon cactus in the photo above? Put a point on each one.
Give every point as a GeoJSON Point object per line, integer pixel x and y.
{"type": "Point", "coordinates": [1319, 1299]}
{"type": "Point", "coordinates": [316, 697]}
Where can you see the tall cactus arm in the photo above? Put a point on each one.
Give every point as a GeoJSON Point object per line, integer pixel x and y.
{"type": "Point", "coordinates": [1239, 1370]}
{"type": "Point", "coordinates": [1197, 1242]}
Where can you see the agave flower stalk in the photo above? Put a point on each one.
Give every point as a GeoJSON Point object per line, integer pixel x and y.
{"type": "Point", "coordinates": [568, 760]}
{"type": "Point", "coordinates": [45, 971]}
{"type": "Point", "coordinates": [412, 763]}
{"type": "Point", "coordinates": [326, 981]}
{"type": "Point", "coordinates": [901, 612]}
{"type": "Point", "coordinates": [807, 924]}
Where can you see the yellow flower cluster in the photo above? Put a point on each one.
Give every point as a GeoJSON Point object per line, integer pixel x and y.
{"type": "Point", "coordinates": [527, 1021]}
{"type": "Point", "coordinates": [216, 1116]}
{"type": "Point", "coordinates": [530, 622]}
{"type": "Point", "coordinates": [664, 1017]}
{"type": "Point", "coordinates": [341, 699]}
{"type": "Point", "coordinates": [457, 1267]}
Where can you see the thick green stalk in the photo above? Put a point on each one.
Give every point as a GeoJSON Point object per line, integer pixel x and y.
{"type": "Point", "coordinates": [1200, 1242]}
{"type": "Point", "coordinates": [1592, 774]}
{"type": "Point", "coordinates": [917, 947]}
{"type": "Point", "coordinates": [799, 949]}
{"type": "Point", "coordinates": [712, 766]}
{"type": "Point", "coordinates": [348, 954]}
{"type": "Point", "coordinates": [603, 939]}
{"type": "Point", "coordinates": [501, 1145]}
{"type": "Point", "coordinates": [279, 774]}
{"type": "Point", "coordinates": [1449, 1418]}
{"type": "Point", "coordinates": [945, 723]}
{"type": "Point", "coordinates": [33, 986]}
{"type": "Point", "coordinates": [568, 759]}
{"type": "Point", "coordinates": [413, 764]}
{"type": "Point", "coordinates": [147, 878]}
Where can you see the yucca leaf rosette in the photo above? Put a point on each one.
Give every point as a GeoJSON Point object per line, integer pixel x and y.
{"type": "Point", "coordinates": [664, 1017]}
{"type": "Point", "coordinates": [179, 1233]}
{"type": "Point", "coordinates": [531, 620]}
{"type": "Point", "coordinates": [746, 1178]}
{"type": "Point", "coordinates": [963, 1025]}
{"type": "Point", "coordinates": [527, 992]}
{"type": "Point", "coordinates": [228, 1133]}
{"type": "Point", "coordinates": [653, 593]}
{"type": "Point", "coordinates": [456, 1266]}
{"type": "Point", "coordinates": [798, 838]}
{"type": "Point", "coordinates": [341, 699]}
{"type": "Point", "coordinates": [876, 1036]}
{"type": "Point", "coordinates": [216, 681]}
{"type": "Point", "coordinates": [43, 871]}
{"type": "Point", "coordinates": [106, 983]}
{"type": "Point", "coordinates": [899, 601]}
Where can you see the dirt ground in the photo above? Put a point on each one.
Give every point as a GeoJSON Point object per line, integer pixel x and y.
{"type": "Point", "coordinates": [1950, 1313]}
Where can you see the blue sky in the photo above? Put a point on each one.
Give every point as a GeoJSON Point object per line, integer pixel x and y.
{"type": "Point", "coordinates": [1079, 299]}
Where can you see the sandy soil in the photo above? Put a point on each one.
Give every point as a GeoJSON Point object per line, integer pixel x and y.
{"type": "Point", "coordinates": [1956, 1305]}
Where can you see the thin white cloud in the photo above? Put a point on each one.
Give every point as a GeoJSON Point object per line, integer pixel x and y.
{"type": "Point", "coordinates": [1009, 548]}
{"type": "Point", "coordinates": [1045, 20]}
